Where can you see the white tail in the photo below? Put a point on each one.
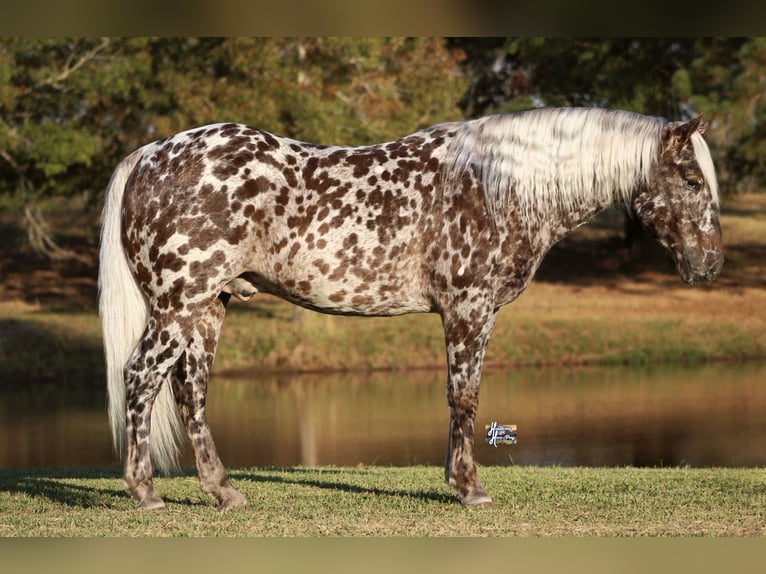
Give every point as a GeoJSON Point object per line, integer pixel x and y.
{"type": "Point", "coordinates": [124, 315]}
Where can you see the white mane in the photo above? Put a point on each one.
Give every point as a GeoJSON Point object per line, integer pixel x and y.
{"type": "Point", "coordinates": [555, 160]}
{"type": "Point", "coordinates": [705, 161]}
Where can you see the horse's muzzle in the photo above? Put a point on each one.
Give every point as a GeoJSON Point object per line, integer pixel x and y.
{"type": "Point", "coordinates": [700, 269]}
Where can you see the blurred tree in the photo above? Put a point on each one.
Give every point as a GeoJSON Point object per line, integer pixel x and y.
{"type": "Point", "coordinates": [70, 109]}
{"type": "Point", "coordinates": [631, 74]}
{"type": "Point", "coordinates": [62, 110]}
{"type": "Point", "coordinates": [352, 90]}
{"type": "Point", "coordinates": [727, 80]}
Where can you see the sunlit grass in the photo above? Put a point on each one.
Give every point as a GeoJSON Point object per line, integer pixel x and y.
{"type": "Point", "coordinates": [375, 501]}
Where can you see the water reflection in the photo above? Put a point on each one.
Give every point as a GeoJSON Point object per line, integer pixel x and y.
{"type": "Point", "coordinates": [708, 416]}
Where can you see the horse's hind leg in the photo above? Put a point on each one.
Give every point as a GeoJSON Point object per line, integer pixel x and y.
{"type": "Point", "coordinates": [146, 370]}
{"type": "Point", "coordinates": [190, 377]}
{"type": "Point", "coordinates": [466, 334]}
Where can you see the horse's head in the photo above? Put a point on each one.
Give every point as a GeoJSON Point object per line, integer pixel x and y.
{"type": "Point", "coordinates": [680, 203]}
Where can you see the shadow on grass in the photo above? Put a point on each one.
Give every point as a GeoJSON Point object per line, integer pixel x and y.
{"type": "Point", "coordinates": [65, 486]}
{"type": "Point", "coordinates": [310, 480]}
{"type": "Point", "coordinates": [52, 486]}
{"type": "Point", "coordinates": [598, 254]}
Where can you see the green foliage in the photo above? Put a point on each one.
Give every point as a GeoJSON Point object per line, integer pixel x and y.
{"type": "Point", "coordinates": [62, 111]}
{"type": "Point", "coordinates": [53, 147]}
{"type": "Point", "coordinates": [632, 74]}
{"type": "Point", "coordinates": [743, 113]}
{"type": "Point", "coordinates": [70, 109]}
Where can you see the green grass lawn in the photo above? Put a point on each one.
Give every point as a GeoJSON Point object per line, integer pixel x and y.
{"type": "Point", "coordinates": [386, 501]}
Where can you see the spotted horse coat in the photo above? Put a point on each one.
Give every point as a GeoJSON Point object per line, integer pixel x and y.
{"type": "Point", "coordinates": [453, 219]}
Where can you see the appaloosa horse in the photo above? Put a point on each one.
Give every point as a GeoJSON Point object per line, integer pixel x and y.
{"type": "Point", "coordinates": [453, 219]}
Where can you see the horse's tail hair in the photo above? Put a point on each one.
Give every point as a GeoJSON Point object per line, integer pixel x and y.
{"type": "Point", "coordinates": [124, 315]}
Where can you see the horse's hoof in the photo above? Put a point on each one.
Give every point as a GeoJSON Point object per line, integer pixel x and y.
{"type": "Point", "coordinates": [233, 502]}
{"type": "Point", "coordinates": [478, 497]}
{"type": "Point", "coordinates": [152, 502]}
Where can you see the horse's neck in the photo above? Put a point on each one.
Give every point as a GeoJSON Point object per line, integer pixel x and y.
{"type": "Point", "coordinates": [555, 224]}
{"type": "Point", "coordinates": [523, 245]}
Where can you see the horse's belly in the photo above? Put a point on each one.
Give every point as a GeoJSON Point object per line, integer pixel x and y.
{"type": "Point", "coordinates": [383, 296]}
{"type": "Point", "coordinates": [346, 278]}
{"type": "Point", "coordinates": [361, 305]}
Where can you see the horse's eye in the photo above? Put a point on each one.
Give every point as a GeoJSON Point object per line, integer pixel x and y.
{"type": "Point", "coordinates": [693, 183]}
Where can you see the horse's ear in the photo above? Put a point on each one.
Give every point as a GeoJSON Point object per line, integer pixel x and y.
{"type": "Point", "coordinates": [702, 127]}
{"type": "Point", "coordinates": [695, 125]}
{"type": "Point", "coordinates": [678, 134]}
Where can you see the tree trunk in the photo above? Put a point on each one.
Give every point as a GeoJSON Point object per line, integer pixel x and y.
{"type": "Point", "coordinates": [40, 237]}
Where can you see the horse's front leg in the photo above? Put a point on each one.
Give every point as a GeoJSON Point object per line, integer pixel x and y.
{"type": "Point", "coordinates": [467, 331]}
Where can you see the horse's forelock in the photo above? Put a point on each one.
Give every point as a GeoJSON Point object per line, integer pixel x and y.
{"type": "Point", "coordinates": [705, 161]}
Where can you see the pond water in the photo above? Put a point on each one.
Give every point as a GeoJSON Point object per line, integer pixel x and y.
{"type": "Point", "coordinates": [713, 415]}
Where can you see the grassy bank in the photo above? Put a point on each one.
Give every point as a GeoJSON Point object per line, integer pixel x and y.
{"type": "Point", "coordinates": [412, 501]}
{"type": "Point", "coordinates": [550, 325]}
